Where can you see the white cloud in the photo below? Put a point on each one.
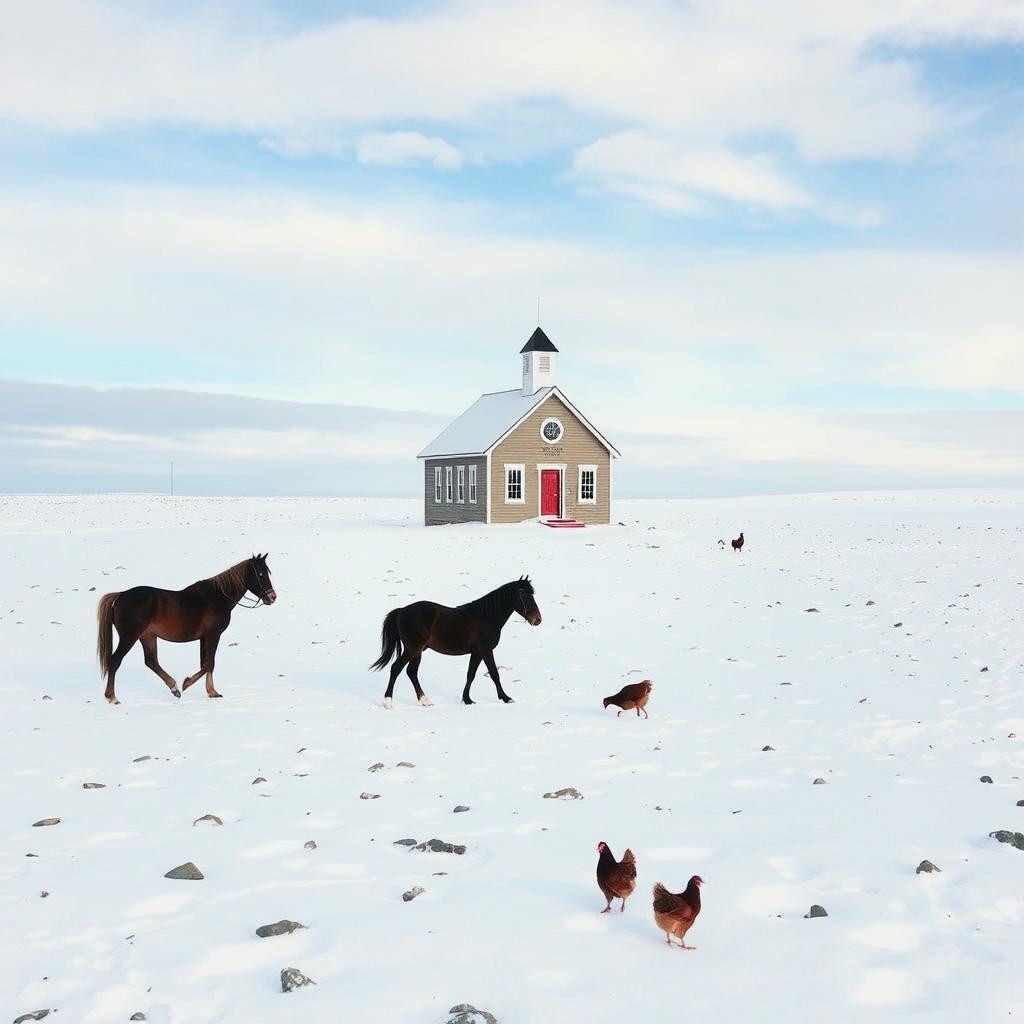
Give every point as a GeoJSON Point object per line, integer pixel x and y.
{"type": "Point", "coordinates": [812, 73]}
{"type": "Point", "coordinates": [400, 149]}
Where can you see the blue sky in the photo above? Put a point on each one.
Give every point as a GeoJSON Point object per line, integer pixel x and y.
{"type": "Point", "coordinates": [775, 254]}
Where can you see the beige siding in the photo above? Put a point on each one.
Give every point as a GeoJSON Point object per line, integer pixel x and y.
{"type": "Point", "coordinates": [525, 446]}
{"type": "Point", "coordinates": [435, 514]}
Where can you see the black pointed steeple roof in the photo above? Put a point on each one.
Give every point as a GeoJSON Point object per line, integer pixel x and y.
{"type": "Point", "coordinates": [539, 342]}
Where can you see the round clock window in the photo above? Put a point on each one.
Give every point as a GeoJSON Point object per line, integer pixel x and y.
{"type": "Point", "coordinates": [551, 431]}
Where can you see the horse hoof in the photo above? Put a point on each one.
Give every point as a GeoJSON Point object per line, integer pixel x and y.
{"type": "Point", "coordinates": [388, 703]}
{"type": "Point", "coordinates": [113, 700]}
{"type": "Point", "coordinates": [212, 695]}
{"type": "Point", "coordinates": [467, 701]}
{"type": "Point", "coordinates": [426, 701]}
{"type": "Point", "coordinates": [176, 693]}
{"type": "Point", "coordinates": [507, 700]}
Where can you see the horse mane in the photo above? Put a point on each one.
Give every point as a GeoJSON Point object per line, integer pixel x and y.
{"type": "Point", "coordinates": [499, 600]}
{"type": "Point", "coordinates": [230, 581]}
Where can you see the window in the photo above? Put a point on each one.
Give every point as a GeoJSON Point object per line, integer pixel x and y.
{"type": "Point", "coordinates": [588, 485]}
{"type": "Point", "coordinates": [461, 493]}
{"type": "Point", "coordinates": [514, 477]}
{"type": "Point", "coordinates": [551, 431]}
{"type": "Point", "coordinates": [472, 485]}
{"type": "Point", "coordinates": [437, 485]}
{"type": "Point", "coordinates": [448, 484]}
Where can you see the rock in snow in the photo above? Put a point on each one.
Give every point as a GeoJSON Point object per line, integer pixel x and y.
{"type": "Point", "coordinates": [207, 819]}
{"type": "Point", "coordinates": [817, 911]}
{"type": "Point", "coordinates": [411, 894]}
{"type": "Point", "coordinates": [44, 822]}
{"type": "Point", "coordinates": [284, 927]}
{"type": "Point", "coordinates": [440, 846]}
{"type": "Point", "coordinates": [187, 871]}
{"type": "Point", "coordinates": [33, 1015]}
{"type": "Point", "coordinates": [466, 1013]}
{"type": "Point", "coordinates": [1015, 839]}
{"type": "Point", "coordinates": [927, 866]}
{"type": "Point", "coordinates": [292, 978]}
{"type": "Point", "coordinates": [564, 794]}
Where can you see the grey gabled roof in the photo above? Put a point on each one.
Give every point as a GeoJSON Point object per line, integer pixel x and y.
{"type": "Point", "coordinates": [489, 420]}
{"type": "Point", "coordinates": [539, 342]}
{"type": "Point", "coordinates": [483, 423]}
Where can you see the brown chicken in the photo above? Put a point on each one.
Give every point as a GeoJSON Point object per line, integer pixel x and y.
{"type": "Point", "coordinates": [633, 695]}
{"type": "Point", "coordinates": [615, 878]}
{"type": "Point", "coordinates": [675, 913]}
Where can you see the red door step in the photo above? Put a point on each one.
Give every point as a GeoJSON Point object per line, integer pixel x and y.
{"type": "Point", "coordinates": [564, 524]}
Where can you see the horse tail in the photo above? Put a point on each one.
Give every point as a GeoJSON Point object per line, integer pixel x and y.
{"type": "Point", "coordinates": [390, 641]}
{"type": "Point", "coordinates": [105, 635]}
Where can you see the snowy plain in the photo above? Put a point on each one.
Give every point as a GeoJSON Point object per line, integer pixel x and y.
{"type": "Point", "coordinates": [888, 702]}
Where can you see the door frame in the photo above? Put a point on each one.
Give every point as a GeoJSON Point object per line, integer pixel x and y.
{"type": "Point", "coordinates": [560, 467]}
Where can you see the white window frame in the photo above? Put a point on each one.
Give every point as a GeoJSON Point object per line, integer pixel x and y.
{"type": "Point", "coordinates": [448, 485]}
{"type": "Point", "coordinates": [437, 485]}
{"type": "Point", "coordinates": [561, 429]}
{"type": "Point", "coordinates": [579, 485]}
{"type": "Point", "coordinates": [460, 485]}
{"type": "Point", "coordinates": [521, 467]}
{"type": "Point", "coordinates": [472, 485]}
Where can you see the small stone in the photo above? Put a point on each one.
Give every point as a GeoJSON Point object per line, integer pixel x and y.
{"type": "Point", "coordinates": [292, 978]}
{"type": "Point", "coordinates": [405, 764]}
{"type": "Point", "coordinates": [416, 890]}
{"type": "Point", "coordinates": [896, 625]}
{"type": "Point", "coordinates": [984, 669]}
{"type": "Point", "coordinates": [766, 747]}
{"type": "Point", "coordinates": [46, 696]}
{"type": "Point", "coordinates": [94, 785]}
{"type": "Point", "coordinates": [43, 894]}
{"type": "Point", "coordinates": [1020, 803]}
{"type": "Point", "coordinates": [810, 609]}
{"type": "Point", "coordinates": [187, 871]}
{"type": "Point", "coordinates": [986, 778]}
{"type": "Point", "coordinates": [310, 844]}
{"type": "Point", "coordinates": [138, 1016]}
{"type": "Point", "coordinates": [816, 911]}
{"type": "Point", "coordinates": [465, 1013]}
{"type": "Point", "coordinates": [440, 846]}
{"type": "Point", "coordinates": [207, 819]}
{"type": "Point", "coordinates": [376, 767]}
{"type": "Point", "coordinates": [927, 867]}
{"type": "Point", "coordinates": [869, 603]}
{"type": "Point", "coordinates": [145, 757]}
{"type": "Point", "coordinates": [819, 782]}
{"type": "Point", "coordinates": [369, 796]}
{"type": "Point", "coordinates": [34, 1015]}
{"type": "Point", "coordinates": [258, 780]}
{"type": "Point", "coordinates": [285, 927]}
{"type": "Point", "coordinates": [1015, 839]}
{"type": "Point", "coordinates": [44, 822]}
{"type": "Point", "coordinates": [404, 842]}
{"type": "Point", "coordinates": [569, 793]}
{"type": "Point", "coordinates": [461, 809]}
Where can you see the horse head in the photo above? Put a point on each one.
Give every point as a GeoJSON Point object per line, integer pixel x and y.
{"type": "Point", "coordinates": [524, 601]}
{"type": "Point", "coordinates": [257, 579]}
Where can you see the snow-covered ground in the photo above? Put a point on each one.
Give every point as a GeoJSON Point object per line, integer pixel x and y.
{"type": "Point", "coordinates": [900, 705]}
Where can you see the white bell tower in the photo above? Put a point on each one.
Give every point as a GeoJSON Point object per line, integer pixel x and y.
{"type": "Point", "coordinates": [538, 363]}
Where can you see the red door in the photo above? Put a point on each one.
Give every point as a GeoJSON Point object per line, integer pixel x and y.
{"type": "Point", "coordinates": [550, 492]}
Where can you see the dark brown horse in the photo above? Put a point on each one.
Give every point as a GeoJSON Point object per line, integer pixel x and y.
{"type": "Point", "coordinates": [472, 629]}
{"type": "Point", "coordinates": [199, 612]}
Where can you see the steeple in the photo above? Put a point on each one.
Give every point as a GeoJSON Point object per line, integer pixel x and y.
{"type": "Point", "coordinates": [538, 363]}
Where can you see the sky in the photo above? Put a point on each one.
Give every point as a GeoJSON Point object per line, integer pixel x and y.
{"type": "Point", "coordinates": [282, 244]}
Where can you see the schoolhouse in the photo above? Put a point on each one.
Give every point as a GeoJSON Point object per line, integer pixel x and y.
{"type": "Point", "coordinates": [523, 454]}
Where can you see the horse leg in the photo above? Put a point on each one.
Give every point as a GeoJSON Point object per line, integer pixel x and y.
{"type": "Point", "coordinates": [125, 642]}
{"type": "Point", "coordinates": [474, 664]}
{"type": "Point", "coordinates": [149, 649]}
{"type": "Point", "coordinates": [202, 661]}
{"type": "Point", "coordinates": [412, 670]}
{"type": "Point", "coordinates": [212, 641]}
{"type": "Point", "coordinates": [397, 667]}
{"type": "Point", "coordinates": [488, 656]}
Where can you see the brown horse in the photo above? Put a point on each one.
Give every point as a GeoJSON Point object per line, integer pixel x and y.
{"type": "Point", "coordinates": [199, 612]}
{"type": "Point", "coordinates": [472, 629]}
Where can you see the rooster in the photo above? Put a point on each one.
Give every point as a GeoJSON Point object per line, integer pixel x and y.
{"type": "Point", "coordinates": [633, 695]}
{"type": "Point", "coordinates": [675, 913]}
{"type": "Point", "coordinates": [615, 878]}
{"type": "Point", "coordinates": [737, 544]}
